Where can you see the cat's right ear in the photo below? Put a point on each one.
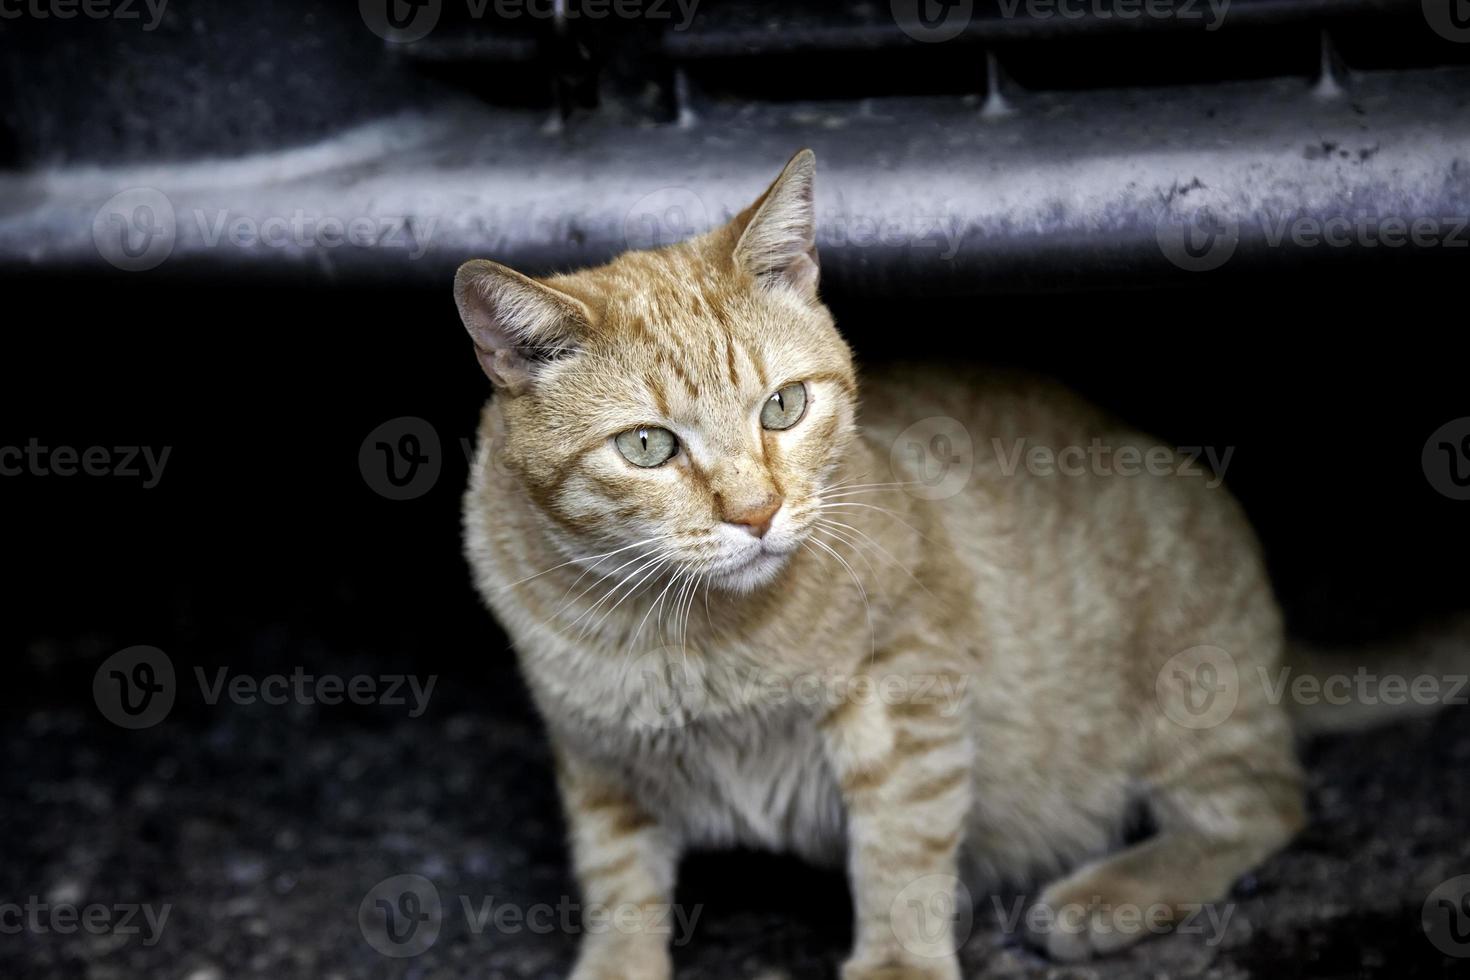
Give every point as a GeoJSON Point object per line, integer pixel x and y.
{"type": "Point", "coordinates": [517, 323]}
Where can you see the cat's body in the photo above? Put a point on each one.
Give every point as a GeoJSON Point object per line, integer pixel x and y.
{"type": "Point", "coordinates": [992, 680]}
{"type": "Point", "coordinates": [1043, 582]}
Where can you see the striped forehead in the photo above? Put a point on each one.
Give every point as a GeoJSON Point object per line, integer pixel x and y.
{"type": "Point", "coordinates": [686, 328]}
{"type": "Point", "coordinates": [690, 368]}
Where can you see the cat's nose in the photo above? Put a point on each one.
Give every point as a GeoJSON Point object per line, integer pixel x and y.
{"type": "Point", "coordinates": [756, 518]}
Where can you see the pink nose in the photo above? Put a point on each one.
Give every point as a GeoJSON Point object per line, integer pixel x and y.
{"type": "Point", "coordinates": [756, 518]}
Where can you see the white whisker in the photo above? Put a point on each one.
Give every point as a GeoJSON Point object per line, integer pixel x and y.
{"type": "Point", "coordinates": [595, 559]}
{"type": "Point", "coordinates": [867, 608]}
{"type": "Point", "coordinates": [881, 510]}
{"type": "Point", "coordinates": [652, 571]}
{"type": "Point", "coordinates": [650, 564]}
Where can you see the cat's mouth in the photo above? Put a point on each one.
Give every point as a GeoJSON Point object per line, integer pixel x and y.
{"type": "Point", "coordinates": [755, 567]}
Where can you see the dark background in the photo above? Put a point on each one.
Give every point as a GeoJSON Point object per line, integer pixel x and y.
{"type": "Point", "coordinates": [1326, 387]}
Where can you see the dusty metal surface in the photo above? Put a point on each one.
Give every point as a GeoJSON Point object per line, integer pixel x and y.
{"type": "Point", "coordinates": [913, 194]}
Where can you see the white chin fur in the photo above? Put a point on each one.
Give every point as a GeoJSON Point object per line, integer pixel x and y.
{"type": "Point", "coordinates": [753, 574]}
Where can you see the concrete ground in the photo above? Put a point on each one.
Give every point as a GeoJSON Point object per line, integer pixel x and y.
{"type": "Point", "coordinates": [264, 829]}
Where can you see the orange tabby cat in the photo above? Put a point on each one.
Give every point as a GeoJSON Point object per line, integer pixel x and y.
{"type": "Point", "coordinates": [747, 622]}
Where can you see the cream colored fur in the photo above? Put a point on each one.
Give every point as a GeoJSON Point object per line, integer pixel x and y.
{"type": "Point", "coordinates": [668, 649]}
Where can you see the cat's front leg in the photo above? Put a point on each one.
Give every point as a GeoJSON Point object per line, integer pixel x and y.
{"type": "Point", "coordinates": [902, 758]}
{"type": "Point", "coordinates": [625, 864]}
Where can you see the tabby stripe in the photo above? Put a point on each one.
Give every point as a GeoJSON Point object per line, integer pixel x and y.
{"type": "Point", "coordinates": [604, 800]}
{"type": "Point", "coordinates": [760, 365]}
{"type": "Point", "coordinates": [911, 745]}
{"type": "Point", "coordinates": [838, 714]}
{"type": "Point", "coordinates": [937, 786]}
{"type": "Point", "coordinates": [689, 384]}
{"type": "Point", "coordinates": [611, 868]}
{"type": "Point", "coordinates": [939, 845]}
{"type": "Point", "coordinates": [630, 822]}
{"type": "Point", "coordinates": [913, 709]}
{"type": "Point", "coordinates": [863, 780]}
{"type": "Point", "coordinates": [730, 363]}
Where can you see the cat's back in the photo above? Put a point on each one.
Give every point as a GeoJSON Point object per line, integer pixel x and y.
{"type": "Point", "coordinates": [1065, 518]}
{"type": "Point", "coordinates": [976, 405]}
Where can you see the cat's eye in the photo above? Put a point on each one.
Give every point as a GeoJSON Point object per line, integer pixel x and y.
{"type": "Point", "coordinates": [647, 447]}
{"type": "Point", "coordinates": [785, 408]}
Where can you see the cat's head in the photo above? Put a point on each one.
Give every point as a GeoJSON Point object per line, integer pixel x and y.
{"type": "Point", "coordinates": [694, 398]}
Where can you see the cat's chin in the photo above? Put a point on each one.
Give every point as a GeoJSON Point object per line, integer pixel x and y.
{"type": "Point", "coordinates": [751, 575]}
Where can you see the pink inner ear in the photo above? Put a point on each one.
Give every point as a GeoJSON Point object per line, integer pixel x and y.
{"type": "Point", "coordinates": [803, 271]}
{"type": "Point", "coordinates": [779, 243]}
{"type": "Point", "coordinates": [514, 320]}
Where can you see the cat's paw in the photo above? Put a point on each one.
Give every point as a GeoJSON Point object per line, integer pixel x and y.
{"type": "Point", "coordinates": [623, 961]}
{"type": "Point", "coordinates": [1077, 920]}
{"type": "Point", "coordinates": [942, 968]}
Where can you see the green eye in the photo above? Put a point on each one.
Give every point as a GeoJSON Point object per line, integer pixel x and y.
{"type": "Point", "coordinates": [785, 408]}
{"type": "Point", "coordinates": [647, 447]}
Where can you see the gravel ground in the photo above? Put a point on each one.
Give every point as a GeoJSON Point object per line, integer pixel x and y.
{"type": "Point", "coordinates": [264, 830]}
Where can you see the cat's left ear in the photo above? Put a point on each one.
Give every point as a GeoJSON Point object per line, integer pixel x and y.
{"type": "Point", "coordinates": [779, 240]}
